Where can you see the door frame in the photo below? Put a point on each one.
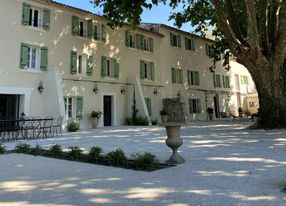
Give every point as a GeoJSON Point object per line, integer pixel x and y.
{"type": "Point", "coordinates": [113, 108]}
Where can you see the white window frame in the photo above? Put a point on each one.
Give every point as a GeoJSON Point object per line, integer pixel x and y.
{"type": "Point", "coordinates": [197, 109]}
{"type": "Point", "coordinates": [175, 40]}
{"type": "Point", "coordinates": [32, 18]}
{"type": "Point", "coordinates": [132, 40]}
{"type": "Point", "coordinates": [70, 107]}
{"type": "Point", "coordinates": [252, 104]}
{"type": "Point", "coordinates": [109, 67]}
{"type": "Point", "coordinates": [83, 27]}
{"type": "Point", "coordinates": [147, 68]}
{"type": "Point", "coordinates": [190, 44]}
{"type": "Point", "coordinates": [146, 44]}
{"type": "Point", "coordinates": [30, 57]}
{"type": "Point", "coordinates": [81, 64]}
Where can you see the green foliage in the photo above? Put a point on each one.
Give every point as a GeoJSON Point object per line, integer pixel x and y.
{"type": "Point", "coordinates": [55, 150]}
{"type": "Point", "coordinates": [94, 154]}
{"type": "Point", "coordinates": [73, 126]}
{"type": "Point", "coordinates": [74, 152]}
{"type": "Point", "coordinates": [145, 161]}
{"type": "Point", "coordinates": [37, 150]}
{"type": "Point", "coordinates": [140, 121]}
{"type": "Point", "coordinates": [2, 149]}
{"type": "Point", "coordinates": [96, 114]}
{"type": "Point", "coordinates": [163, 112]}
{"type": "Point", "coordinates": [154, 122]}
{"type": "Point", "coordinates": [116, 158]}
{"type": "Point", "coordinates": [247, 113]}
{"type": "Point", "coordinates": [22, 148]}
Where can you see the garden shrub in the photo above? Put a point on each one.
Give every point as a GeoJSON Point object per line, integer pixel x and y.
{"type": "Point", "coordinates": [73, 126]}
{"type": "Point", "coordinates": [55, 150]}
{"type": "Point", "coordinates": [116, 158]}
{"type": "Point", "coordinates": [37, 150]}
{"type": "Point", "coordinates": [22, 148]}
{"type": "Point", "coordinates": [74, 152]}
{"type": "Point", "coordinates": [2, 149]}
{"type": "Point", "coordinates": [145, 161]}
{"type": "Point", "coordinates": [154, 122]}
{"type": "Point", "coordinates": [94, 154]}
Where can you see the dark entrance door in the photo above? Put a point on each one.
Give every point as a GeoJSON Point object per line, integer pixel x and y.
{"type": "Point", "coordinates": [107, 110]}
{"type": "Point", "coordinates": [9, 107]}
{"type": "Point", "coordinates": [216, 106]}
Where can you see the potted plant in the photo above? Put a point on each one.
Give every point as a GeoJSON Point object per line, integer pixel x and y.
{"type": "Point", "coordinates": [210, 112]}
{"type": "Point", "coordinates": [164, 115]}
{"type": "Point", "coordinates": [240, 112]}
{"type": "Point", "coordinates": [94, 117]}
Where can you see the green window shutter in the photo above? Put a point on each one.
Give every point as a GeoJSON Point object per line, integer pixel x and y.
{"type": "Point", "coordinates": [46, 19]}
{"type": "Point", "coordinates": [223, 82]}
{"type": "Point", "coordinates": [227, 81]}
{"type": "Point", "coordinates": [181, 76]}
{"type": "Point", "coordinates": [127, 40]}
{"type": "Point", "coordinates": [95, 34]}
{"type": "Point", "coordinates": [103, 32]}
{"type": "Point", "coordinates": [89, 66]}
{"type": "Point", "coordinates": [73, 62]}
{"type": "Point", "coordinates": [189, 77]}
{"type": "Point", "coordinates": [171, 39]}
{"type": "Point", "coordinates": [179, 41]}
{"type": "Point", "coordinates": [138, 41]}
{"type": "Point", "coordinates": [193, 45]}
{"type": "Point", "coordinates": [116, 69]}
{"type": "Point", "coordinates": [186, 43]}
{"type": "Point", "coordinates": [142, 41]}
{"type": "Point", "coordinates": [89, 28]}
{"type": "Point", "coordinates": [103, 66]}
{"type": "Point", "coordinates": [44, 59]}
{"type": "Point", "coordinates": [75, 25]}
{"type": "Point", "coordinates": [214, 79]}
{"type": "Point", "coordinates": [142, 69]}
{"type": "Point", "coordinates": [26, 14]}
{"type": "Point", "coordinates": [24, 56]}
{"type": "Point", "coordinates": [173, 75]}
{"type": "Point", "coordinates": [79, 107]}
{"type": "Point", "coordinates": [191, 106]}
{"type": "Point", "coordinates": [151, 42]}
{"type": "Point", "coordinates": [149, 105]}
{"type": "Point", "coordinates": [152, 71]}
{"type": "Point", "coordinates": [197, 78]}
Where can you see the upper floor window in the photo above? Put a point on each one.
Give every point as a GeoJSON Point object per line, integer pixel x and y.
{"type": "Point", "coordinates": [109, 67]}
{"type": "Point", "coordinates": [147, 70]}
{"type": "Point", "coordinates": [177, 76]}
{"type": "Point", "coordinates": [175, 40]}
{"type": "Point", "coordinates": [253, 104]}
{"type": "Point", "coordinates": [33, 57]}
{"type": "Point", "coordinates": [139, 41]}
{"type": "Point", "coordinates": [217, 82]}
{"type": "Point", "coordinates": [190, 44]}
{"type": "Point", "coordinates": [208, 49]}
{"type": "Point", "coordinates": [81, 63]}
{"type": "Point", "coordinates": [36, 17]}
{"type": "Point", "coordinates": [87, 28]}
{"type": "Point", "coordinates": [195, 106]}
{"type": "Point", "coordinates": [225, 81]}
{"type": "Point", "coordinates": [194, 78]}
{"type": "Point", "coordinates": [244, 80]}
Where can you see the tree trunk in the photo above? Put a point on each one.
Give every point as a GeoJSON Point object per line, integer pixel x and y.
{"type": "Point", "coordinates": [270, 85]}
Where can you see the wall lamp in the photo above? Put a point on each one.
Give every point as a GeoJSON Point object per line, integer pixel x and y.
{"type": "Point", "coordinates": [95, 89]}
{"type": "Point", "coordinates": [41, 87]}
{"type": "Point", "coordinates": [179, 94]}
{"type": "Point", "coordinates": [156, 92]}
{"type": "Point", "coordinates": [123, 90]}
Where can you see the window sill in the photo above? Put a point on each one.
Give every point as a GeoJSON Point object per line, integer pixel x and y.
{"type": "Point", "coordinates": [40, 29]}
{"type": "Point", "coordinates": [37, 71]}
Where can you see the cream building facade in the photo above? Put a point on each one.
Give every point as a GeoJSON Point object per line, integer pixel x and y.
{"type": "Point", "coordinates": [60, 60]}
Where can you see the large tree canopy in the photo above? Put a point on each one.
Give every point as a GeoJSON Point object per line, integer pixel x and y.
{"type": "Point", "coordinates": [253, 30]}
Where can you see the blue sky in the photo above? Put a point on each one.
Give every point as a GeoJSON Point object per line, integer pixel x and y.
{"type": "Point", "coordinates": [158, 14]}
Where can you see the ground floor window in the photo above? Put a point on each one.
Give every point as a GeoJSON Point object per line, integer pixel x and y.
{"type": "Point", "coordinates": [195, 106]}
{"type": "Point", "coordinates": [149, 105]}
{"type": "Point", "coordinates": [73, 107]}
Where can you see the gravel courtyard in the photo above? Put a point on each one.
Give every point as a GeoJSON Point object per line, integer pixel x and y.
{"type": "Point", "coordinates": [226, 165]}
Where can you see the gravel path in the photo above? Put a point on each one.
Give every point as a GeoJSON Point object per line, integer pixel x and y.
{"type": "Point", "coordinates": [226, 165]}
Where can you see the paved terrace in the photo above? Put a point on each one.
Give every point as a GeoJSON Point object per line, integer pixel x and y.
{"type": "Point", "coordinates": [226, 165]}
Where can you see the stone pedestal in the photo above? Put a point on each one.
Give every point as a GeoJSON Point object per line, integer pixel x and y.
{"type": "Point", "coordinates": [174, 141]}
